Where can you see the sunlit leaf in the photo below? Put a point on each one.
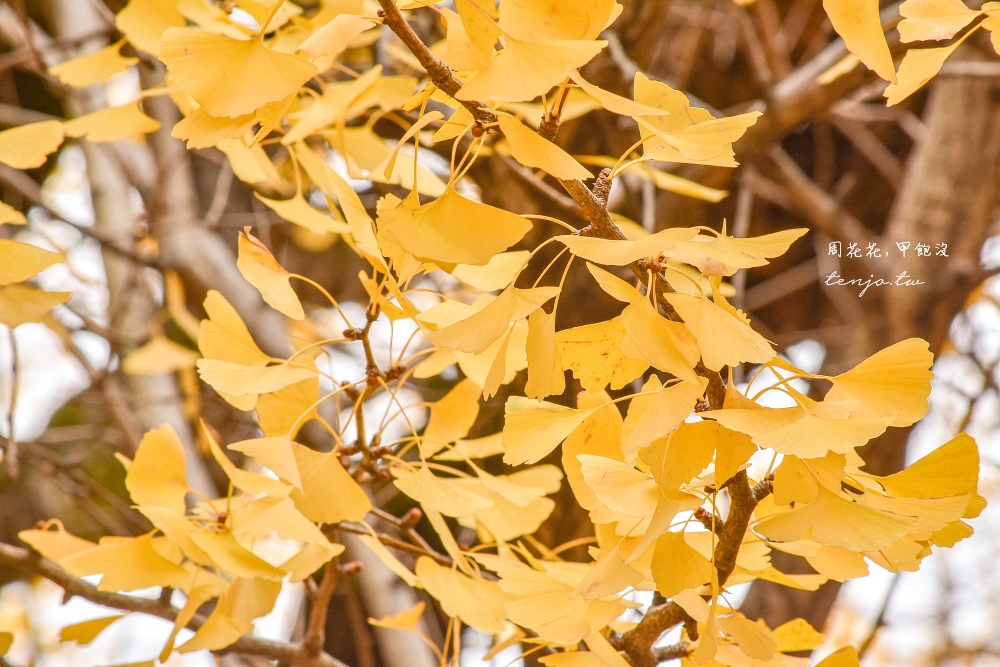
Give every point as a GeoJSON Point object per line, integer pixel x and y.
{"type": "Point", "coordinates": [86, 631]}
{"type": "Point", "coordinates": [593, 353]}
{"type": "Point", "coordinates": [896, 379]}
{"type": "Point", "coordinates": [262, 270]}
{"type": "Point", "coordinates": [524, 70]}
{"type": "Point", "coordinates": [127, 563]}
{"type": "Point", "coordinates": [918, 67]}
{"type": "Point", "coordinates": [451, 418]}
{"type": "Point", "coordinates": [231, 77]}
{"type": "Point", "coordinates": [531, 150]}
{"type": "Point", "coordinates": [933, 19]}
{"type": "Point", "coordinates": [156, 476]}
{"type": "Point", "coordinates": [22, 261]}
{"type": "Point", "coordinates": [836, 522]}
{"type": "Point", "coordinates": [534, 428]}
{"type": "Point", "coordinates": [453, 229]}
{"type": "Point", "coordinates": [477, 602]}
{"type": "Point", "coordinates": [335, 36]}
{"type": "Point", "coordinates": [329, 494]}
{"type": "Point", "coordinates": [858, 22]}
{"type": "Point", "coordinates": [408, 619]}
{"type": "Point", "coordinates": [29, 146]}
{"type": "Point", "coordinates": [143, 23]}
{"type": "Point", "coordinates": [95, 67]}
{"type": "Point", "coordinates": [620, 253]}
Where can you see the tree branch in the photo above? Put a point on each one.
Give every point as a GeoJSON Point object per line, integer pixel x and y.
{"type": "Point", "coordinates": [30, 563]}
{"type": "Point", "coordinates": [594, 206]}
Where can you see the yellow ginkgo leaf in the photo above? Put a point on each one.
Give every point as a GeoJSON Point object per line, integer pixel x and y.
{"type": "Point", "coordinates": [677, 567]}
{"type": "Point", "coordinates": [572, 659]}
{"type": "Point", "coordinates": [543, 601]}
{"type": "Point", "coordinates": [408, 619]}
{"type": "Point", "coordinates": [251, 165]}
{"type": "Point", "coordinates": [609, 575]}
{"type": "Point", "coordinates": [231, 556]}
{"type": "Point", "coordinates": [290, 407]}
{"type": "Point", "coordinates": [112, 124]}
{"type": "Point", "coordinates": [808, 433]}
{"type": "Point", "coordinates": [481, 329]}
{"type": "Point", "coordinates": [55, 544]}
{"type": "Point", "coordinates": [615, 103]}
{"type": "Point", "coordinates": [231, 77]}
{"type": "Point", "coordinates": [203, 130]}
{"type": "Point", "coordinates": [10, 215]}
{"type": "Point", "coordinates": [664, 412]}
{"type": "Point", "coordinates": [836, 522]}
{"type": "Point", "coordinates": [534, 428]}
{"type": "Point", "coordinates": [277, 453]}
{"type": "Point", "coordinates": [593, 353]}
{"type": "Point", "coordinates": [709, 142]}
{"type": "Point", "coordinates": [453, 230]}
{"type": "Point", "coordinates": [619, 486]}
{"type": "Point", "coordinates": [236, 380]}
{"type": "Point", "coordinates": [723, 334]}
{"type": "Point", "coordinates": [478, 448]}
{"type": "Point", "coordinates": [754, 639]}
{"type": "Point", "coordinates": [441, 494]}
{"type": "Point", "coordinates": [676, 460]}
{"type": "Point", "coordinates": [389, 560]}
{"type": "Point", "coordinates": [335, 36]}
{"type": "Point", "coordinates": [724, 255]}
{"type": "Point", "coordinates": [22, 261]}
{"type": "Point", "coordinates": [494, 275]}
{"type": "Point", "coordinates": [96, 67]}
{"type": "Point", "coordinates": [545, 368]}
{"type": "Point", "coordinates": [246, 481]}
{"type": "Point", "coordinates": [468, 51]}
{"type": "Point", "coordinates": [224, 335]}
{"type": "Point", "coordinates": [918, 67]}
{"type": "Point", "coordinates": [451, 418]}
{"type": "Point", "coordinates": [6, 641]}
{"type": "Point", "coordinates": [531, 150]}
{"type": "Point", "coordinates": [950, 469]}
{"type": "Point", "coordinates": [796, 635]}
{"type": "Point", "coordinates": [85, 632]}
{"type": "Point", "coordinates": [537, 20]}
{"type": "Point", "coordinates": [156, 476]}
{"type": "Point", "coordinates": [127, 563]}
{"type": "Point", "coordinates": [896, 379]}
{"type": "Point", "coordinates": [933, 19]}
{"type": "Point", "coordinates": [845, 657]}
{"type": "Point", "coordinates": [160, 355]}
{"type": "Point", "coordinates": [620, 253]}
{"type": "Point", "coordinates": [477, 602]}
{"type": "Point", "coordinates": [858, 23]}
{"type": "Point", "coordinates": [143, 23]}
{"type": "Point", "coordinates": [329, 494]}
{"type": "Point", "coordinates": [524, 70]}
{"type": "Point", "coordinates": [29, 146]}
{"type": "Point", "coordinates": [262, 270]}
{"type": "Point", "coordinates": [668, 346]}
{"type": "Point", "coordinates": [302, 213]}
{"type": "Point", "coordinates": [685, 133]}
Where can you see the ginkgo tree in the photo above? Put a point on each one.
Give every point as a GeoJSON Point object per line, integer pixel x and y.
{"type": "Point", "coordinates": [690, 483]}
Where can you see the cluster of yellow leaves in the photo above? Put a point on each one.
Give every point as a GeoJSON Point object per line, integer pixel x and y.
{"type": "Point", "coordinates": [21, 302]}
{"type": "Point", "coordinates": [641, 471]}
{"type": "Point", "coordinates": [858, 22]}
{"type": "Point", "coordinates": [216, 549]}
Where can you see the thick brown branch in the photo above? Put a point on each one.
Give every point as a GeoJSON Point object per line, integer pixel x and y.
{"type": "Point", "coordinates": [637, 643]}
{"type": "Point", "coordinates": [439, 73]}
